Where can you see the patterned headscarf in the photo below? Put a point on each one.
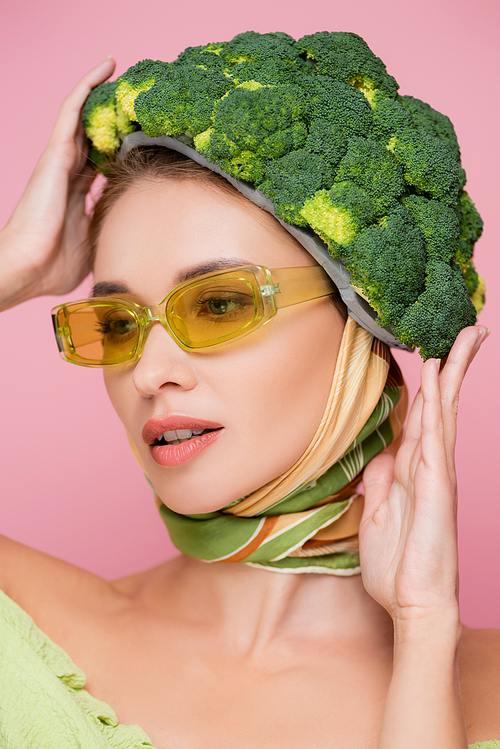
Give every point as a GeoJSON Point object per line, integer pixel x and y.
{"type": "Point", "coordinates": [307, 519]}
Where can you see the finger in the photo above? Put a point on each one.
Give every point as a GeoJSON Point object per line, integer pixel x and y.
{"type": "Point", "coordinates": [414, 419]}
{"type": "Point", "coordinates": [69, 115]}
{"type": "Point", "coordinates": [432, 425]}
{"type": "Point", "coordinates": [451, 378]}
{"type": "Point", "coordinates": [378, 477]}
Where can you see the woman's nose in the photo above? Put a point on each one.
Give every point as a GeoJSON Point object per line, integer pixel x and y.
{"type": "Point", "coordinates": [163, 362]}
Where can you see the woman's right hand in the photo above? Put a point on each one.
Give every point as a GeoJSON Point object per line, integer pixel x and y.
{"type": "Point", "coordinates": [43, 247]}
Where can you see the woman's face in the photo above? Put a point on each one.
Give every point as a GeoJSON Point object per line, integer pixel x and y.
{"type": "Point", "coordinates": [267, 391]}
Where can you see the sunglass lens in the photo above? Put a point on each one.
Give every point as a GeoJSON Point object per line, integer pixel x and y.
{"type": "Point", "coordinates": [99, 333]}
{"type": "Point", "coordinates": [212, 311]}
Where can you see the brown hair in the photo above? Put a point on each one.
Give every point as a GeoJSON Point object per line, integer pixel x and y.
{"type": "Point", "coordinates": [154, 164]}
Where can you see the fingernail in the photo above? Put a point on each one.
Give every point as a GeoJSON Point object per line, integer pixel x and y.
{"type": "Point", "coordinates": [483, 334]}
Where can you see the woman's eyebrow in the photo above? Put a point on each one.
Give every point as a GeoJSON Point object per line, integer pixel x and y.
{"type": "Point", "coordinates": [209, 267]}
{"type": "Point", "coordinates": [105, 288]}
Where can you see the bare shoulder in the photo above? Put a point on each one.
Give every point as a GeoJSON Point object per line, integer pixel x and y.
{"type": "Point", "coordinates": [40, 582]}
{"type": "Point", "coordinates": [479, 663]}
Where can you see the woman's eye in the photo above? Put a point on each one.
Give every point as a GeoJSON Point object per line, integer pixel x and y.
{"type": "Point", "coordinates": [222, 306]}
{"type": "Point", "coordinates": [120, 327]}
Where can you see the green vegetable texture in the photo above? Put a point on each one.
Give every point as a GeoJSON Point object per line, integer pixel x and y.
{"type": "Point", "coordinates": [317, 125]}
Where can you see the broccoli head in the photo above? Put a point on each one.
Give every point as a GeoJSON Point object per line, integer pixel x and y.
{"type": "Point", "coordinates": [441, 311]}
{"type": "Point", "coordinates": [432, 122]}
{"type": "Point", "coordinates": [181, 100]}
{"type": "Point", "coordinates": [252, 125]}
{"type": "Point", "coordinates": [104, 120]}
{"type": "Point", "coordinates": [387, 262]}
{"type": "Point", "coordinates": [373, 168]}
{"type": "Point", "coordinates": [336, 112]}
{"type": "Point", "coordinates": [293, 178]}
{"type": "Point", "coordinates": [339, 214]}
{"type": "Point", "coordinates": [319, 128]}
{"type": "Point", "coordinates": [429, 165]}
{"type": "Point", "coordinates": [439, 225]}
{"type": "Point", "coordinates": [347, 58]}
{"type": "Point", "coordinates": [471, 228]}
{"type": "Point", "coordinates": [140, 77]}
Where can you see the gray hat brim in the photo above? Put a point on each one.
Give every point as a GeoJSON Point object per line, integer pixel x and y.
{"type": "Point", "coordinates": [359, 309]}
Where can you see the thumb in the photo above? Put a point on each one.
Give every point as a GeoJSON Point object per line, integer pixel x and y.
{"type": "Point", "coordinates": [378, 477]}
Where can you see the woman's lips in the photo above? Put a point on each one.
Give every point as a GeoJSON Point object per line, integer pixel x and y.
{"type": "Point", "coordinates": [175, 455]}
{"type": "Point", "coordinates": [155, 427]}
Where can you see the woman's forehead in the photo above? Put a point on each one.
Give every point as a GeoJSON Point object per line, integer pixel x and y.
{"type": "Point", "coordinates": [163, 229]}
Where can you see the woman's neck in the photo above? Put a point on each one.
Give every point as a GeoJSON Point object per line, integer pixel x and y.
{"type": "Point", "coordinates": [253, 607]}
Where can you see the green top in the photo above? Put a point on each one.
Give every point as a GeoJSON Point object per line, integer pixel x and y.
{"type": "Point", "coordinates": [43, 703]}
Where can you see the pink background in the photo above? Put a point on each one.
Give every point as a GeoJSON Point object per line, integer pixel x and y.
{"type": "Point", "coordinates": [69, 483]}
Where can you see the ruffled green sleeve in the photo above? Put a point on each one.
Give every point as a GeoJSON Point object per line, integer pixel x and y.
{"type": "Point", "coordinates": [485, 745]}
{"type": "Point", "coordinates": [43, 703]}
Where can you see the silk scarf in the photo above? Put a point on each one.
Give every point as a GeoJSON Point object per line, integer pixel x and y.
{"type": "Point", "coordinates": [307, 519]}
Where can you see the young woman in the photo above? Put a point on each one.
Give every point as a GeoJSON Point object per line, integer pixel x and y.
{"type": "Point", "coordinates": [232, 655]}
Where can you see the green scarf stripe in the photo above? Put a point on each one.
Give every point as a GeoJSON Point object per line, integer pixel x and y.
{"type": "Point", "coordinates": [211, 538]}
{"type": "Point", "coordinates": [340, 561]}
{"type": "Point", "coordinates": [298, 534]}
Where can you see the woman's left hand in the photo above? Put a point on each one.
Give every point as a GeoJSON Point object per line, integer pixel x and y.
{"type": "Point", "coordinates": [408, 533]}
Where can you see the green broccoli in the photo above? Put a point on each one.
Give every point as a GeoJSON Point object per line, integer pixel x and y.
{"type": "Point", "coordinates": [478, 296]}
{"type": "Point", "coordinates": [471, 228]}
{"type": "Point", "coordinates": [336, 112]}
{"type": "Point", "coordinates": [387, 262]}
{"type": "Point", "coordinates": [441, 311]}
{"type": "Point", "coordinates": [389, 118]}
{"type": "Point", "coordinates": [140, 77]}
{"type": "Point", "coordinates": [432, 122]}
{"type": "Point", "coordinates": [258, 123]}
{"type": "Point", "coordinates": [347, 58]}
{"type": "Point", "coordinates": [429, 165]}
{"type": "Point", "coordinates": [439, 225]}
{"type": "Point", "coordinates": [293, 178]}
{"type": "Point", "coordinates": [319, 127]}
{"type": "Point", "coordinates": [105, 122]}
{"type": "Point", "coordinates": [181, 100]}
{"type": "Point", "coordinates": [339, 214]}
{"type": "Point", "coordinates": [373, 168]}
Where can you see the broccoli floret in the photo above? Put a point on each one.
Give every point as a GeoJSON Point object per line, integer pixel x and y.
{"type": "Point", "coordinates": [336, 112]}
{"type": "Point", "coordinates": [478, 297]}
{"type": "Point", "coordinates": [471, 228]}
{"type": "Point", "coordinates": [429, 165]}
{"type": "Point", "coordinates": [181, 100]}
{"type": "Point", "coordinates": [293, 178]}
{"type": "Point", "coordinates": [439, 225]}
{"type": "Point", "coordinates": [257, 121]}
{"type": "Point", "coordinates": [104, 121]}
{"type": "Point", "coordinates": [270, 59]}
{"type": "Point", "coordinates": [433, 322]}
{"type": "Point", "coordinates": [471, 278]}
{"type": "Point", "coordinates": [339, 214]}
{"type": "Point", "coordinates": [139, 77]}
{"type": "Point", "coordinates": [373, 168]}
{"type": "Point", "coordinates": [433, 122]}
{"type": "Point", "coordinates": [346, 57]}
{"type": "Point", "coordinates": [206, 49]}
{"type": "Point", "coordinates": [387, 262]}
{"type": "Point", "coordinates": [389, 117]}
{"type": "Point", "coordinates": [250, 46]}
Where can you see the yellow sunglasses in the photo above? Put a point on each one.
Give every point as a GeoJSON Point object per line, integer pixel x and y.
{"type": "Point", "coordinates": [205, 312]}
